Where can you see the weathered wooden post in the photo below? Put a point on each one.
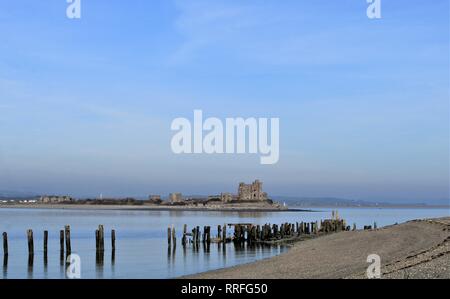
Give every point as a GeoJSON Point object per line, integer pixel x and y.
{"type": "Point", "coordinates": [192, 240]}
{"type": "Point", "coordinates": [113, 240]}
{"type": "Point", "coordinates": [67, 235]}
{"type": "Point", "coordinates": [219, 232]}
{"type": "Point", "coordinates": [97, 240]}
{"type": "Point", "coordinates": [208, 235]}
{"type": "Point", "coordinates": [198, 234]}
{"type": "Point", "coordinates": [174, 236]}
{"type": "Point", "coordinates": [169, 236]}
{"type": "Point", "coordinates": [375, 226]}
{"type": "Point", "coordinates": [113, 250]}
{"type": "Point", "coordinates": [101, 238]}
{"type": "Point", "coordinates": [5, 243]}
{"type": "Point", "coordinates": [45, 242]}
{"type": "Point", "coordinates": [183, 240]}
{"type": "Point", "coordinates": [61, 241]}
{"type": "Point", "coordinates": [30, 242]}
{"type": "Point", "coordinates": [224, 234]}
{"type": "Point", "coordinates": [204, 234]}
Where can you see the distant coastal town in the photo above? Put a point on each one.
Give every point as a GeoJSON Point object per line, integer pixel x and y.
{"type": "Point", "coordinates": [248, 196]}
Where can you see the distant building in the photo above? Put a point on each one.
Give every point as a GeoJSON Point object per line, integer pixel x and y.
{"type": "Point", "coordinates": [246, 192]}
{"type": "Point", "coordinates": [251, 191]}
{"type": "Point", "coordinates": [155, 199]}
{"type": "Point", "coordinates": [175, 197]}
{"type": "Point", "coordinates": [226, 197]}
{"type": "Point", "coordinates": [56, 199]}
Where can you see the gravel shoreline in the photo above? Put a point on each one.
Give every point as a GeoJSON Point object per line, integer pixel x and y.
{"type": "Point", "coordinates": [415, 249]}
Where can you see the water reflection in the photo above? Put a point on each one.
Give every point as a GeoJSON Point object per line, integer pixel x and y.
{"type": "Point", "coordinates": [99, 262]}
{"type": "Point", "coordinates": [45, 264]}
{"type": "Point", "coordinates": [5, 265]}
{"type": "Point", "coordinates": [30, 265]}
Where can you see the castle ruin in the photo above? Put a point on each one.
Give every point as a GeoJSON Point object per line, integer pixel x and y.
{"type": "Point", "coordinates": [251, 192]}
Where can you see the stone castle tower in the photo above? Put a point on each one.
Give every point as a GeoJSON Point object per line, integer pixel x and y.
{"type": "Point", "coordinates": [251, 191]}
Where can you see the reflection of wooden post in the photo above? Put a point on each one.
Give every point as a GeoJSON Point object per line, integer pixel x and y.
{"type": "Point", "coordinates": [5, 243]}
{"type": "Point", "coordinates": [30, 242]}
{"type": "Point", "coordinates": [45, 242]}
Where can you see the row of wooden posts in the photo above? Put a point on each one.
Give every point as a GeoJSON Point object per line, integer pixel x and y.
{"type": "Point", "coordinates": [257, 233]}
{"type": "Point", "coordinates": [64, 241]}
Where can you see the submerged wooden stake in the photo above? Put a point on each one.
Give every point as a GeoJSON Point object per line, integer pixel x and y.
{"type": "Point", "coordinates": [97, 240]}
{"type": "Point", "coordinates": [183, 240]}
{"type": "Point", "coordinates": [5, 243]}
{"type": "Point", "coordinates": [169, 236]}
{"type": "Point", "coordinates": [67, 235]}
{"type": "Point", "coordinates": [113, 240]}
{"type": "Point", "coordinates": [45, 242]}
{"type": "Point", "coordinates": [224, 233]}
{"type": "Point", "coordinates": [174, 236]}
{"type": "Point", "coordinates": [30, 242]}
{"type": "Point", "coordinates": [101, 238]}
{"type": "Point", "coordinates": [61, 241]}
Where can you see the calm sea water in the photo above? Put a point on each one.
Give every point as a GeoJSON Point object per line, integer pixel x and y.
{"type": "Point", "coordinates": [141, 245]}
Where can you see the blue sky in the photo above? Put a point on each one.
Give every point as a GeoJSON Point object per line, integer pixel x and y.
{"type": "Point", "coordinates": [86, 105]}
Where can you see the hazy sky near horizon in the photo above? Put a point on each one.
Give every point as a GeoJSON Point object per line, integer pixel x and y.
{"type": "Point", "coordinates": [86, 105]}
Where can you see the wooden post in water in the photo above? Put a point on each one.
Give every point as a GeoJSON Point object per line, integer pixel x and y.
{"type": "Point", "coordinates": [5, 243]}
{"type": "Point", "coordinates": [67, 235]}
{"type": "Point", "coordinates": [61, 241]}
{"type": "Point", "coordinates": [208, 235]}
{"type": "Point", "coordinates": [30, 242]}
{"type": "Point", "coordinates": [45, 242]}
{"type": "Point", "coordinates": [113, 240]}
{"type": "Point", "coordinates": [197, 234]}
{"type": "Point", "coordinates": [219, 232]}
{"type": "Point", "coordinates": [97, 240]}
{"type": "Point", "coordinates": [183, 240]}
{"type": "Point", "coordinates": [224, 233]}
{"type": "Point", "coordinates": [204, 234]}
{"type": "Point", "coordinates": [169, 236]}
{"type": "Point", "coordinates": [101, 237]}
{"type": "Point", "coordinates": [174, 236]}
